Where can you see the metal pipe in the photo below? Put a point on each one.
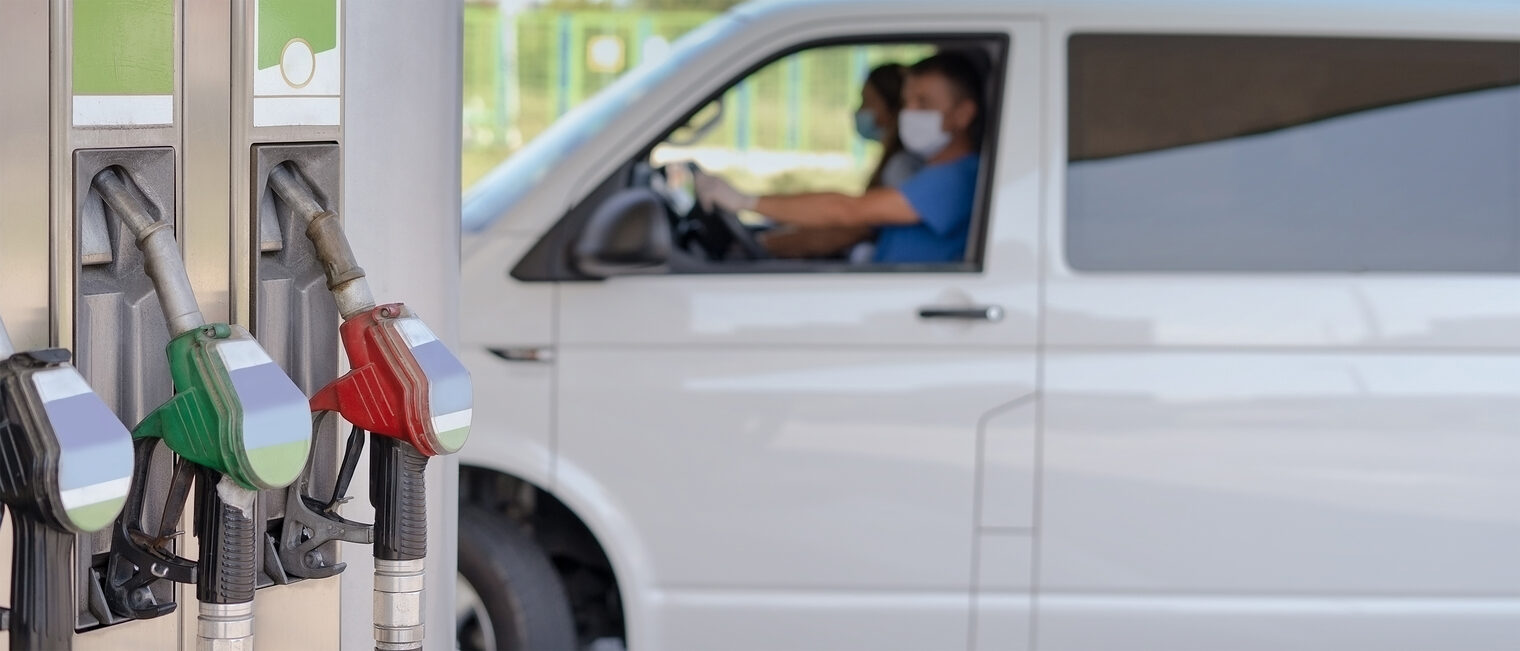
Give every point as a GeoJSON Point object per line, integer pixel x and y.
{"type": "Point", "coordinates": [6, 347]}
{"type": "Point", "coordinates": [225, 627]}
{"type": "Point", "coordinates": [398, 604]}
{"type": "Point", "coordinates": [161, 255]}
{"type": "Point", "coordinates": [398, 491]}
{"type": "Point", "coordinates": [344, 276]}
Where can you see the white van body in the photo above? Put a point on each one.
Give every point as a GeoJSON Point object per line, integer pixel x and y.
{"type": "Point", "coordinates": [1132, 461]}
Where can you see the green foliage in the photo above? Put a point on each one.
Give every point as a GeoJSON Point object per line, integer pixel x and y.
{"type": "Point", "coordinates": [523, 70]}
{"type": "Point", "coordinates": [715, 6]}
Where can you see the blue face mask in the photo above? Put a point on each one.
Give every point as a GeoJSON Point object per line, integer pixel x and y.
{"type": "Point", "coordinates": [865, 125]}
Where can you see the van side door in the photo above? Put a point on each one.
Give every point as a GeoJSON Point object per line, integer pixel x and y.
{"type": "Point", "coordinates": [1282, 345]}
{"type": "Point", "coordinates": [796, 452]}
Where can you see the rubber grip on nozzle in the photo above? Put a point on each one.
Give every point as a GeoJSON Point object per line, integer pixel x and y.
{"type": "Point", "coordinates": [227, 544]}
{"type": "Point", "coordinates": [399, 495]}
{"type": "Point", "coordinates": [42, 595]}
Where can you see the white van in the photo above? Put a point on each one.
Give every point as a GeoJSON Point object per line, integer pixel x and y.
{"type": "Point", "coordinates": [1232, 360]}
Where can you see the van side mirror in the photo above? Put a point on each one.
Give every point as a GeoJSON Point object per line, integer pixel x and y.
{"type": "Point", "coordinates": [627, 234]}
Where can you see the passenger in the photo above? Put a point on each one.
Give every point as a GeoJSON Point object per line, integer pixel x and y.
{"type": "Point", "coordinates": [927, 218]}
{"type": "Point", "coordinates": [876, 119]}
{"type": "Point", "coordinates": [881, 99]}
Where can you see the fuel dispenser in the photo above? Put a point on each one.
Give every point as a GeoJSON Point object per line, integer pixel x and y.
{"type": "Point", "coordinates": [407, 389]}
{"type": "Point", "coordinates": [238, 425]}
{"type": "Point", "coordinates": [141, 232]}
{"type": "Point", "coordinates": [287, 77]}
{"type": "Point", "coordinates": [296, 315]}
{"type": "Point", "coordinates": [66, 463]}
{"type": "Point", "coordinates": [303, 290]}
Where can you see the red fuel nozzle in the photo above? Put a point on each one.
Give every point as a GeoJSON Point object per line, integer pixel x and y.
{"type": "Point", "coordinates": [408, 390]}
{"type": "Point", "coordinates": [404, 383]}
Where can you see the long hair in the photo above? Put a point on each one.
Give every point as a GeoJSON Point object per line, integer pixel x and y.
{"type": "Point", "coordinates": [887, 80]}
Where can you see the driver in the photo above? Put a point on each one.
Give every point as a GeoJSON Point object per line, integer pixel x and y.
{"type": "Point", "coordinates": [926, 219]}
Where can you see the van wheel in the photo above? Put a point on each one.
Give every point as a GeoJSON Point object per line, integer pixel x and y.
{"type": "Point", "coordinates": [509, 596]}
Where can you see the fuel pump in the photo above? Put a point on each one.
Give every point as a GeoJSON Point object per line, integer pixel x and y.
{"type": "Point", "coordinates": [408, 390]}
{"type": "Point", "coordinates": [238, 425]}
{"type": "Point", "coordinates": [67, 466]}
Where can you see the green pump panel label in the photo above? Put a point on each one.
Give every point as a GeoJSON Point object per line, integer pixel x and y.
{"type": "Point", "coordinates": [123, 63]}
{"type": "Point", "coordinates": [298, 65]}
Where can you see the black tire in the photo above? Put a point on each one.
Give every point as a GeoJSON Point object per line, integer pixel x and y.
{"type": "Point", "coordinates": [521, 592]}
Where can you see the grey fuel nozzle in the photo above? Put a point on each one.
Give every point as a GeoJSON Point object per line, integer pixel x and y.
{"type": "Point", "coordinates": [69, 463]}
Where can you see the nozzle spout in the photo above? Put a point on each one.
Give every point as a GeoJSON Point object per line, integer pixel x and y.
{"type": "Point", "coordinates": [344, 276]}
{"type": "Point", "coordinates": [160, 252]}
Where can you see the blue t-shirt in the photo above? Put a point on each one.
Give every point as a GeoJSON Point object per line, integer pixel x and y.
{"type": "Point", "coordinates": [941, 195]}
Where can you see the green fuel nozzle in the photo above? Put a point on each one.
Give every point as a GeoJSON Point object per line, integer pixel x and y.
{"type": "Point", "coordinates": [68, 469]}
{"type": "Point", "coordinates": [238, 425]}
{"type": "Point", "coordinates": [233, 411]}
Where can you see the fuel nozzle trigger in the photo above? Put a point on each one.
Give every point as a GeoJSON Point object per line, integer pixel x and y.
{"type": "Point", "coordinates": [310, 523]}
{"type": "Point", "coordinates": [140, 558]}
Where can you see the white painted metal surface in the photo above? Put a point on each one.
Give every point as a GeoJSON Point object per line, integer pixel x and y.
{"type": "Point", "coordinates": [402, 105]}
{"type": "Point", "coordinates": [1307, 461]}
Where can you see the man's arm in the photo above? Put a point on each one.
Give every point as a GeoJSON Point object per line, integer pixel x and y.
{"type": "Point", "coordinates": [877, 207]}
{"type": "Point", "coordinates": [812, 242]}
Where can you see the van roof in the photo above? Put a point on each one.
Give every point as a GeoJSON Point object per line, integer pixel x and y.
{"type": "Point", "coordinates": [1498, 17]}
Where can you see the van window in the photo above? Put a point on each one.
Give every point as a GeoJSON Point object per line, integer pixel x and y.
{"type": "Point", "coordinates": [790, 126]}
{"type": "Point", "coordinates": [1281, 154]}
{"type": "Point", "coordinates": [494, 195]}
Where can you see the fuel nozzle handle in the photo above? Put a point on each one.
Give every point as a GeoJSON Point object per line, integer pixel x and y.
{"type": "Point", "coordinates": [398, 492]}
{"type": "Point", "coordinates": [344, 276]}
{"type": "Point", "coordinates": [400, 500]}
{"type": "Point", "coordinates": [42, 597]}
{"type": "Point", "coordinates": [228, 575]}
{"type": "Point", "coordinates": [67, 470]}
{"type": "Point", "coordinates": [160, 251]}
{"type": "Point", "coordinates": [224, 521]}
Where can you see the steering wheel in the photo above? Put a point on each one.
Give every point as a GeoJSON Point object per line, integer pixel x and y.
{"type": "Point", "coordinates": [717, 230]}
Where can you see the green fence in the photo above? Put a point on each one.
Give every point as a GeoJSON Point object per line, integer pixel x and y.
{"type": "Point", "coordinates": [523, 70]}
{"type": "Point", "coordinates": [805, 102]}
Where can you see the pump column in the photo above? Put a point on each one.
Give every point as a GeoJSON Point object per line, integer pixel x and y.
{"type": "Point", "coordinates": [106, 114]}
{"type": "Point", "coordinates": [287, 106]}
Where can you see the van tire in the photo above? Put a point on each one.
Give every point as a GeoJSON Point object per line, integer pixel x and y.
{"type": "Point", "coordinates": [517, 585]}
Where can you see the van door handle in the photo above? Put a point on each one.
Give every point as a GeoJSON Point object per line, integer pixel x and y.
{"type": "Point", "coordinates": [539, 354]}
{"type": "Point", "coordinates": [991, 313]}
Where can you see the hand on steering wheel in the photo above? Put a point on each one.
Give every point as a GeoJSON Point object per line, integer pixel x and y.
{"type": "Point", "coordinates": [717, 207]}
{"type": "Point", "coordinates": [715, 192]}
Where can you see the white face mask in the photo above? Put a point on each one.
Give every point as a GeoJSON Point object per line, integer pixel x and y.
{"type": "Point", "coordinates": [922, 132]}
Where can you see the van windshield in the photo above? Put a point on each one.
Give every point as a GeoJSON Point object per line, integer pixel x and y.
{"type": "Point", "coordinates": [494, 195]}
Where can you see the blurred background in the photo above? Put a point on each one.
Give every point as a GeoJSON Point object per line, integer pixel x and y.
{"type": "Point", "coordinates": [528, 63]}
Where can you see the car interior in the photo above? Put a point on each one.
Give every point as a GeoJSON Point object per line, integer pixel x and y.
{"type": "Point", "coordinates": [646, 218]}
